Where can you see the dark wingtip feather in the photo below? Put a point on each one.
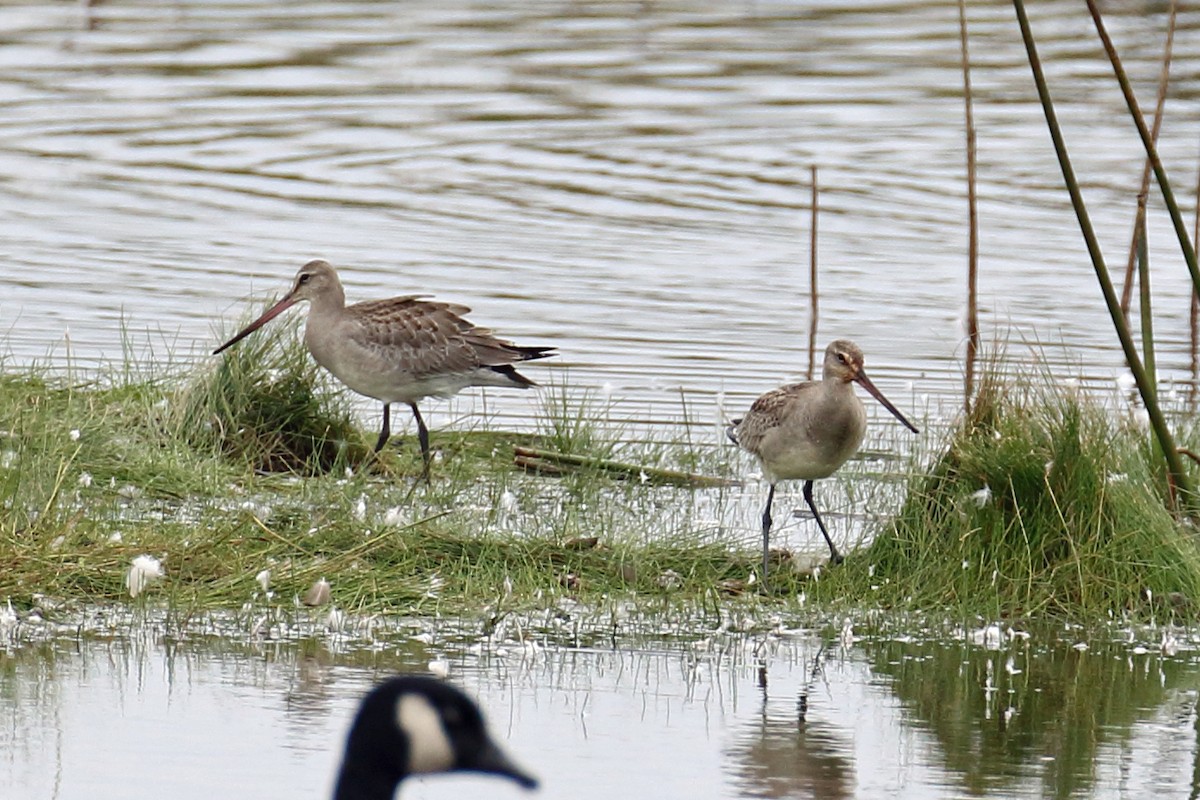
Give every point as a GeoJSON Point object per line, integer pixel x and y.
{"type": "Point", "coordinates": [531, 353]}
{"type": "Point", "coordinates": [510, 372]}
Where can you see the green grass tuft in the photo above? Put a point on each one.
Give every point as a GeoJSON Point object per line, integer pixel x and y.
{"type": "Point", "coordinates": [1041, 503]}
{"type": "Point", "coordinates": [260, 402]}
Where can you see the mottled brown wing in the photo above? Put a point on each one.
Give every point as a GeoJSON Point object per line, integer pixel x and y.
{"type": "Point", "coordinates": [766, 413]}
{"type": "Point", "coordinates": [429, 337]}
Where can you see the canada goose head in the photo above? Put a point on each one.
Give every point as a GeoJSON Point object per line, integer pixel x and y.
{"type": "Point", "coordinates": [413, 725]}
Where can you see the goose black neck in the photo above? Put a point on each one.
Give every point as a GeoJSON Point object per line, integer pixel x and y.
{"type": "Point", "coordinates": [357, 783]}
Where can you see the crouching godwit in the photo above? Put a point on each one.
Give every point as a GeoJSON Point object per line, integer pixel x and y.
{"type": "Point", "coordinates": [400, 350]}
{"type": "Point", "coordinates": [805, 431]}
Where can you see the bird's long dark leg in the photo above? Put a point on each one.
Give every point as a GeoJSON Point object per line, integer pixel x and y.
{"type": "Point", "coordinates": [834, 556]}
{"type": "Point", "coordinates": [766, 521]}
{"type": "Point", "coordinates": [423, 438]}
{"type": "Point", "coordinates": [385, 432]}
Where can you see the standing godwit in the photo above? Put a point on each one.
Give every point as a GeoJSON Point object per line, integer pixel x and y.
{"type": "Point", "coordinates": [805, 431]}
{"type": "Point", "coordinates": [413, 725]}
{"type": "Point", "coordinates": [400, 350]}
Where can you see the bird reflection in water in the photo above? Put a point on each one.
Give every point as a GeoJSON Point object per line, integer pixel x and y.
{"type": "Point", "coordinates": [789, 755]}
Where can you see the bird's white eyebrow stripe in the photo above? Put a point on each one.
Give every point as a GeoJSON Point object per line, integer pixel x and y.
{"type": "Point", "coordinates": [429, 748]}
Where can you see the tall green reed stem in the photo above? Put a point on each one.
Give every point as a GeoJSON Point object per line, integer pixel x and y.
{"type": "Point", "coordinates": [1160, 172]}
{"type": "Point", "coordinates": [1145, 388]}
{"type": "Point", "coordinates": [1145, 311]}
{"type": "Point", "coordinates": [1144, 305]}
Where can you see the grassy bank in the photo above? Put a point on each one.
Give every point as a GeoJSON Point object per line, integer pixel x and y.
{"type": "Point", "coordinates": [253, 463]}
{"type": "Point", "coordinates": [250, 479]}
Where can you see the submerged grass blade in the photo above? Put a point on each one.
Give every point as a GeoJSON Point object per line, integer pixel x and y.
{"type": "Point", "coordinates": [537, 459]}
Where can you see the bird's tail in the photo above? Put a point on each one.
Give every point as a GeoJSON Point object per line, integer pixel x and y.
{"type": "Point", "coordinates": [731, 431]}
{"type": "Point", "coordinates": [517, 353]}
{"type": "Point", "coordinates": [516, 378]}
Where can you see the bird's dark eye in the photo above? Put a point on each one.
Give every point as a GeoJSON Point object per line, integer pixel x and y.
{"type": "Point", "coordinates": [841, 358]}
{"type": "Point", "coordinates": [303, 279]}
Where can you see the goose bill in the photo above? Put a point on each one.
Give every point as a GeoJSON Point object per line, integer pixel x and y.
{"type": "Point", "coordinates": [492, 759]}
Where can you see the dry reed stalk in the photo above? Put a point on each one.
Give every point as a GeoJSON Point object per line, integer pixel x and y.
{"type": "Point", "coordinates": [812, 279]}
{"type": "Point", "coordinates": [1140, 217]}
{"type": "Point", "coordinates": [973, 221]}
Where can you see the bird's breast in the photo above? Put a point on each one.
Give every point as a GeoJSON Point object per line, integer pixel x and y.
{"type": "Point", "coordinates": [815, 440]}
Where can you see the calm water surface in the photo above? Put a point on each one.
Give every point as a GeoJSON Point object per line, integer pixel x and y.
{"type": "Point", "coordinates": [780, 714]}
{"type": "Point", "coordinates": [629, 182]}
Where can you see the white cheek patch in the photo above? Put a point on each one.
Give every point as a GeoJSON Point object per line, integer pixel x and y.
{"type": "Point", "coordinates": [429, 748]}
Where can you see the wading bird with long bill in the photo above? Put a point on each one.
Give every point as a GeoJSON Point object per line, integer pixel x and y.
{"type": "Point", "coordinates": [399, 350]}
{"type": "Point", "coordinates": [805, 431]}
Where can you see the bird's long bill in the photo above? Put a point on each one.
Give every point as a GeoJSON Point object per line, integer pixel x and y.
{"type": "Point", "coordinates": [878, 395]}
{"type": "Point", "coordinates": [491, 759]}
{"type": "Point", "coordinates": [271, 313]}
